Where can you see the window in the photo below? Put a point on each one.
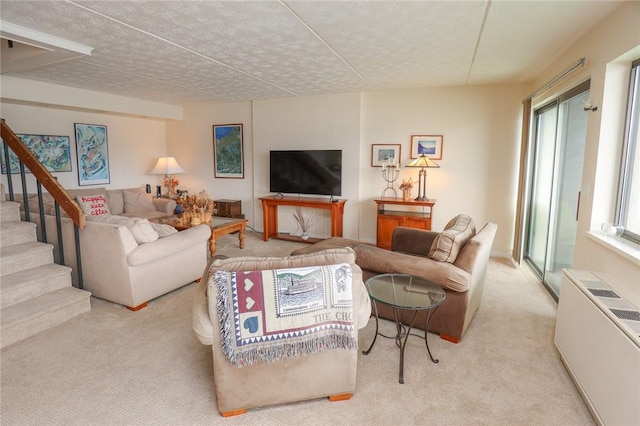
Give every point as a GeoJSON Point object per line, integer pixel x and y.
{"type": "Point", "coordinates": [628, 208]}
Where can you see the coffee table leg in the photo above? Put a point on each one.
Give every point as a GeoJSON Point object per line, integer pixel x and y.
{"type": "Point", "coordinates": [212, 244]}
{"type": "Point", "coordinates": [241, 237]}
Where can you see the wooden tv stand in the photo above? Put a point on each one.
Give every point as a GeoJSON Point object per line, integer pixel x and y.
{"type": "Point", "coordinates": [270, 215]}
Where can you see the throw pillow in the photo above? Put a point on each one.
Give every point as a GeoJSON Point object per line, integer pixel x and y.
{"type": "Point", "coordinates": [162, 229]}
{"type": "Point", "coordinates": [94, 205]}
{"type": "Point", "coordinates": [137, 202]}
{"type": "Point", "coordinates": [140, 229]}
{"type": "Point", "coordinates": [449, 242]}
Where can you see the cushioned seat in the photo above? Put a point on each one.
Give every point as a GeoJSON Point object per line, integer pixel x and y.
{"type": "Point", "coordinates": [323, 372]}
{"type": "Point", "coordinates": [455, 259]}
{"type": "Point", "coordinates": [329, 243]}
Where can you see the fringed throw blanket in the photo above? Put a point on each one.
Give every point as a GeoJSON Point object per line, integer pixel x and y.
{"type": "Point", "coordinates": [277, 314]}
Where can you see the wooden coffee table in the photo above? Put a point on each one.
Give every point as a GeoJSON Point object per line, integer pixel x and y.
{"type": "Point", "coordinates": [219, 226]}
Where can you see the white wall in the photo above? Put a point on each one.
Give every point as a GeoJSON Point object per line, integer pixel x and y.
{"type": "Point", "coordinates": [191, 142]}
{"type": "Point", "coordinates": [134, 144]}
{"type": "Point", "coordinates": [314, 122]}
{"type": "Point", "coordinates": [479, 167]}
{"type": "Point", "coordinates": [609, 49]}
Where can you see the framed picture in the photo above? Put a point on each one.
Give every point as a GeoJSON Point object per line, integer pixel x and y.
{"type": "Point", "coordinates": [54, 152]}
{"type": "Point", "coordinates": [429, 145]}
{"type": "Point", "coordinates": [385, 155]}
{"type": "Point", "coordinates": [228, 156]}
{"type": "Point", "coordinates": [93, 154]}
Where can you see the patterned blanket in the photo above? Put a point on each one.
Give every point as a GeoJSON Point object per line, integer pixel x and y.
{"type": "Point", "coordinates": [272, 315]}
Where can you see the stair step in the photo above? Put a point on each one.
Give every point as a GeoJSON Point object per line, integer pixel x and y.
{"type": "Point", "coordinates": [24, 256]}
{"type": "Point", "coordinates": [12, 233]}
{"type": "Point", "coordinates": [33, 316]}
{"type": "Point", "coordinates": [9, 211]}
{"type": "Point", "coordinates": [34, 282]}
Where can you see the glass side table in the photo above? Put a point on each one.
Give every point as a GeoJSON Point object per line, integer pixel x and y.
{"type": "Point", "coordinates": [404, 293]}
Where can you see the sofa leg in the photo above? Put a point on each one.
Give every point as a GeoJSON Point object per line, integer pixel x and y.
{"type": "Point", "coordinates": [233, 412]}
{"type": "Point", "coordinates": [137, 308]}
{"type": "Point", "coordinates": [340, 397]}
{"type": "Point", "coordinates": [449, 338]}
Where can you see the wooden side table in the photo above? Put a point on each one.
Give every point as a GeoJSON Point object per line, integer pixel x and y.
{"type": "Point", "coordinates": [412, 214]}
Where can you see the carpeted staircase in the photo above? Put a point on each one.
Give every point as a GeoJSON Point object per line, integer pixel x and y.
{"type": "Point", "coordinates": [36, 294]}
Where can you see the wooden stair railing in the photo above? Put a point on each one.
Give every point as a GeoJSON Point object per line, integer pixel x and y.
{"type": "Point", "coordinates": [43, 176]}
{"type": "Point", "coordinates": [46, 179]}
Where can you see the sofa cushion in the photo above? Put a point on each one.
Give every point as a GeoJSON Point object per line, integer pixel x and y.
{"type": "Point", "coordinates": [162, 229]}
{"type": "Point", "coordinates": [137, 201]}
{"type": "Point", "coordinates": [116, 201]}
{"type": "Point", "coordinates": [141, 229]}
{"type": "Point", "coordinates": [94, 204]}
{"type": "Point", "coordinates": [449, 242]}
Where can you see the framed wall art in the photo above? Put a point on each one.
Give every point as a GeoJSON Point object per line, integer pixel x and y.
{"type": "Point", "coordinates": [429, 145]}
{"type": "Point", "coordinates": [385, 155]}
{"type": "Point", "coordinates": [228, 155]}
{"type": "Point", "coordinates": [93, 154]}
{"type": "Point", "coordinates": [54, 152]}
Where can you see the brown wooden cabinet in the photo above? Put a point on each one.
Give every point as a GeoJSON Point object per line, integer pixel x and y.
{"type": "Point", "coordinates": [412, 214]}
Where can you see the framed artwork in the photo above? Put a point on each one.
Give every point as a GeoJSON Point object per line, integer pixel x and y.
{"type": "Point", "coordinates": [429, 145]}
{"type": "Point", "coordinates": [54, 152]}
{"type": "Point", "coordinates": [385, 155]}
{"type": "Point", "coordinates": [93, 154]}
{"type": "Point", "coordinates": [228, 156]}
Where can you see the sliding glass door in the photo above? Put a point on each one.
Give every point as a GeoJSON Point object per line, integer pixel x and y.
{"type": "Point", "coordinates": [557, 160]}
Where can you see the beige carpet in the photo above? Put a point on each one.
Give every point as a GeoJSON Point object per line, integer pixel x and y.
{"type": "Point", "coordinates": [113, 366]}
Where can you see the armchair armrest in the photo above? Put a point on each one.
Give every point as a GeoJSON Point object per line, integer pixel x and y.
{"type": "Point", "coordinates": [165, 205]}
{"type": "Point", "coordinates": [383, 261]}
{"type": "Point", "coordinates": [412, 241]}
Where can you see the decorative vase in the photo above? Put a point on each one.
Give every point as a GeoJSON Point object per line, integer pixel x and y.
{"type": "Point", "coordinates": [406, 194]}
{"type": "Point", "coordinates": [304, 236]}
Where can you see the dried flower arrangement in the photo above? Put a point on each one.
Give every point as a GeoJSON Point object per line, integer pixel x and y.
{"type": "Point", "coordinates": [406, 184]}
{"type": "Point", "coordinates": [304, 221]}
{"type": "Point", "coordinates": [171, 184]}
{"type": "Point", "coordinates": [199, 206]}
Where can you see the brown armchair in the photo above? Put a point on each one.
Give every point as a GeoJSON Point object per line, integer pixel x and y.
{"type": "Point", "coordinates": [461, 269]}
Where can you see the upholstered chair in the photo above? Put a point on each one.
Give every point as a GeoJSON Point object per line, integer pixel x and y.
{"type": "Point", "coordinates": [242, 381]}
{"type": "Point", "coordinates": [455, 259]}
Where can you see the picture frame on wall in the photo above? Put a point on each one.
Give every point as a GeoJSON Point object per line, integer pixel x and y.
{"type": "Point", "coordinates": [54, 152]}
{"type": "Point", "coordinates": [228, 154]}
{"type": "Point", "coordinates": [93, 154]}
{"type": "Point", "coordinates": [385, 155]}
{"type": "Point", "coordinates": [429, 145]}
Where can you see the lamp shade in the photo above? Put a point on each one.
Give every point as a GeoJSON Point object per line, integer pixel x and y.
{"type": "Point", "coordinates": [167, 166]}
{"type": "Point", "coordinates": [423, 161]}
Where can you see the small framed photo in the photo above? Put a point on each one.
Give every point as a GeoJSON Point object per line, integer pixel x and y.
{"type": "Point", "coordinates": [228, 161]}
{"type": "Point", "coordinates": [385, 155]}
{"type": "Point", "coordinates": [429, 145]}
{"type": "Point", "coordinates": [93, 154]}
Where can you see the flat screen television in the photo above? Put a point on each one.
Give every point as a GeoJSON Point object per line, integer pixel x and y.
{"type": "Point", "coordinates": [317, 172]}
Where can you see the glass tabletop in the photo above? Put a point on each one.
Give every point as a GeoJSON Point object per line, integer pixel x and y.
{"type": "Point", "coordinates": [405, 291]}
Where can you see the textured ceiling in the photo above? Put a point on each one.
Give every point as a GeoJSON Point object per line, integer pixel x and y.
{"type": "Point", "coordinates": [185, 52]}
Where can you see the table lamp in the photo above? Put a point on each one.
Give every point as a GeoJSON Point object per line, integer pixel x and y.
{"type": "Point", "coordinates": [167, 166]}
{"type": "Point", "coordinates": [423, 162]}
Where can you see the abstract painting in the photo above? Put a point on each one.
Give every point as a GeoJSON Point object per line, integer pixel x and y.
{"type": "Point", "coordinates": [93, 154]}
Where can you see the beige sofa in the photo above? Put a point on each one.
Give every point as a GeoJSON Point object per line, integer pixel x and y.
{"type": "Point", "coordinates": [126, 259]}
{"type": "Point", "coordinates": [331, 373]}
{"type": "Point", "coordinates": [457, 263]}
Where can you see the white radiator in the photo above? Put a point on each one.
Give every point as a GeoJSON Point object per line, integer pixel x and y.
{"type": "Point", "coordinates": [598, 336]}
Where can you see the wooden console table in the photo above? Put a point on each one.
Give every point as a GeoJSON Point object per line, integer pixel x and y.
{"type": "Point", "coordinates": [388, 220]}
{"type": "Point", "coordinates": [270, 215]}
